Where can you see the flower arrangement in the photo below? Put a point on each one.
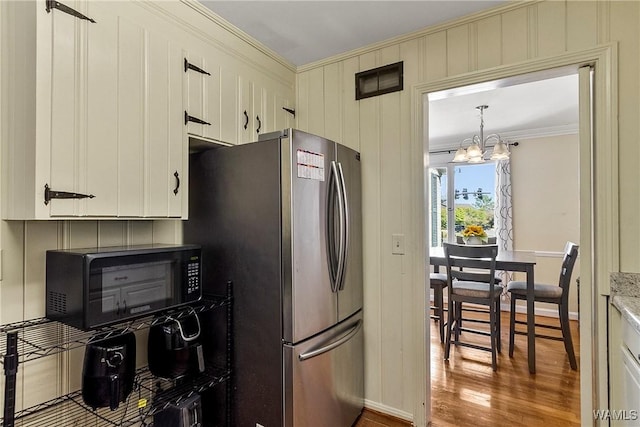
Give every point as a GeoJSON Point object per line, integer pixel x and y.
{"type": "Point", "coordinates": [474, 231]}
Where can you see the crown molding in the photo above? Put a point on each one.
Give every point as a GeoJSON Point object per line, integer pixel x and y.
{"type": "Point", "coordinates": [227, 26]}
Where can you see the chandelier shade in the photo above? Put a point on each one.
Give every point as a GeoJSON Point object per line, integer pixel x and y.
{"type": "Point", "coordinates": [478, 145]}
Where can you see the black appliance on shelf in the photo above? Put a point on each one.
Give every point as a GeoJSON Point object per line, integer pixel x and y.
{"type": "Point", "coordinates": [186, 413]}
{"type": "Point", "coordinates": [174, 347]}
{"type": "Point", "coordinates": [93, 287]}
{"type": "Point", "coordinates": [109, 370]}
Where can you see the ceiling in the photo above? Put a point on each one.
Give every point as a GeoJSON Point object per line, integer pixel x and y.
{"type": "Point", "coordinates": [525, 110]}
{"type": "Point", "coordinates": [307, 31]}
{"type": "Point", "coordinates": [303, 32]}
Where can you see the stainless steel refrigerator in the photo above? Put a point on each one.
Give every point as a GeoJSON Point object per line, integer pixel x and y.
{"type": "Point", "coordinates": [281, 219]}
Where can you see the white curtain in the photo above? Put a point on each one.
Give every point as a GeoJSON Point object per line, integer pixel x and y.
{"type": "Point", "coordinates": [503, 216]}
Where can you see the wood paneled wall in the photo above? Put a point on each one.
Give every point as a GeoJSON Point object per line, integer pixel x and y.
{"type": "Point", "coordinates": [380, 129]}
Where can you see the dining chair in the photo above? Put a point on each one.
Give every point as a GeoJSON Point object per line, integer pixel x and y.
{"type": "Point", "coordinates": [473, 283]}
{"type": "Point", "coordinates": [438, 282]}
{"type": "Point", "coordinates": [553, 294]}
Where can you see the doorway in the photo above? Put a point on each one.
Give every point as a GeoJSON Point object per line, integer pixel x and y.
{"type": "Point", "coordinates": [599, 233]}
{"type": "Point", "coordinates": [535, 207]}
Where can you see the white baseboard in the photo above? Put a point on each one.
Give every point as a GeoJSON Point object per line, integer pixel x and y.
{"type": "Point", "coordinates": [388, 410]}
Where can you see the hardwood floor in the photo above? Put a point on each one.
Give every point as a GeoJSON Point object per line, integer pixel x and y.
{"type": "Point", "coordinates": [466, 392]}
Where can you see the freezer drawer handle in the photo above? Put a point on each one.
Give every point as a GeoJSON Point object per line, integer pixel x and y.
{"type": "Point", "coordinates": [338, 343]}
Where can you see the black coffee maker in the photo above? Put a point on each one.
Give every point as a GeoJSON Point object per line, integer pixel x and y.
{"type": "Point", "coordinates": [174, 348]}
{"type": "Point", "coordinates": [109, 370]}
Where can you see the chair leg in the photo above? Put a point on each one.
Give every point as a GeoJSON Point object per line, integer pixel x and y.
{"type": "Point", "coordinates": [566, 334]}
{"type": "Point", "coordinates": [447, 345]}
{"type": "Point", "coordinates": [498, 327]}
{"type": "Point", "coordinates": [512, 324]}
{"type": "Point", "coordinates": [437, 296]}
{"type": "Point", "coordinates": [458, 316]}
{"type": "Point", "coordinates": [494, 340]}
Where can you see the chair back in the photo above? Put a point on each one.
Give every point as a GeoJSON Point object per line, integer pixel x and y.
{"type": "Point", "coordinates": [471, 263]}
{"type": "Point", "coordinates": [568, 261]}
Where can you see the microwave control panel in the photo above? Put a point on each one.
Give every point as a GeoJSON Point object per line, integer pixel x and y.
{"type": "Point", "coordinates": [193, 280]}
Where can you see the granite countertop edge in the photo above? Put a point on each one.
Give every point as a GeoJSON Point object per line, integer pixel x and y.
{"type": "Point", "coordinates": [629, 308]}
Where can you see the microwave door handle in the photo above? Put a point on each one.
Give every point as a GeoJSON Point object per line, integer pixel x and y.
{"type": "Point", "coordinates": [124, 308]}
{"type": "Point", "coordinates": [117, 308]}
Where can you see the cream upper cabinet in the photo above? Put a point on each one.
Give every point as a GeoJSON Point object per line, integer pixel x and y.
{"type": "Point", "coordinates": [100, 99]}
{"type": "Point", "coordinates": [261, 110]}
{"type": "Point", "coordinates": [107, 112]}
{"type": "Point", "coordinates": [202, 109]}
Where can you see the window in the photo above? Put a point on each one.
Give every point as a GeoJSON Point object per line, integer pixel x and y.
{"type": "Point", "coordinates": [461, 195]}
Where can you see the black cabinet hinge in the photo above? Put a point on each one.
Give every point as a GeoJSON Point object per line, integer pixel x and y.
{"type": "Point", "coordinates": [189, 66]}
{"type": "Point", "coordinates": [53, 4]}
{"type": "Point", "coordinates": [290, 111]}
{"type": "Point", "coordinates": [53, 194]}
{"type": "Point", "coordinates": [188, 118]}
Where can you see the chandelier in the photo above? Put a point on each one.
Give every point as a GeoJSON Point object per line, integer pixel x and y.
{"type": "Point", "coordinates": [478, 145]}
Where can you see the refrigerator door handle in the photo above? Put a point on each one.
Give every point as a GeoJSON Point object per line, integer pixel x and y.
{"type": "Point", "coordinates": [323, 348]}
{"type": "Point", "coordinates": [335, 194]}
{"type": "Point", "coordinates": [344, 240]}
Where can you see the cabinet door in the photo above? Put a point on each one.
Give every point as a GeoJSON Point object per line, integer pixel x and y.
{"type": "Point", "coordinates": [260, 118]}
{"type": "Point", "coordinates": [101, 171]}
{"type": "Point", "coordinates": [203, 96]}
{"type": "Point", "coordinates": [165, 145]}
{"type": "Point", "coordinates": [247, 122]}
{"type": "Point", "coordinates": [61, 32]}
{"type": "Point", "coordinates": [230, 120]}
{"type": "Point", "coordinates": [131, 117]}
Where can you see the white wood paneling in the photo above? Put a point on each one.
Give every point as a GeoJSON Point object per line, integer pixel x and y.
{"type": "Point", "coordinates": [316, 120]}
{"type": "Point", "coordinates": [333, 102]}
{"type": "Point", "coordinates": [515, 43]}
{"type": "Point", "coordinates": [229, 98]}
{"type": "Point", "coordinates": [65, 109]}
{"type": "Point", "coordinates": [551, 28]}
{"type": "Point", "coordinates": [409, 50]}
{"type": "Point", "coordinates": [435, 55]}
{"type": "Point", "coordinates": [489, 37]}
{"type": "Point", "coordinates": [350, 115]}
{"type": "Point", "coordinates": [581, 22]}
{"type": "Point", "coordinates": [302, 101]}
{"type": "Point", "coordinates": [102, 112]}
{"type": "Point", "coordinates": [370, 150]}
{"type": "Point", "coordinates": [458, 50]}
{"type": "Point", "coordinates": [131, 41]}
{"type": "Point", "coordinates": [392, 289]}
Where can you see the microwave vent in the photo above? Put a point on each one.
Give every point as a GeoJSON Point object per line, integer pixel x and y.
{"type": "Point", "coordinates": [57, 302]}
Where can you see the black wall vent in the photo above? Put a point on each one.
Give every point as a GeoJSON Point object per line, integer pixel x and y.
{"type": "Point", "coordinates": [379, 81]}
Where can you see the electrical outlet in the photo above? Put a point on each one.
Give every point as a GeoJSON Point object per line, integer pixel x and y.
{"type": "Point", "coordinates": [397, 244]}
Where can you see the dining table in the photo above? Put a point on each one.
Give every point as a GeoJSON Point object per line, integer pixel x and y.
{"type": "Point", "coordinates": [522, 261]}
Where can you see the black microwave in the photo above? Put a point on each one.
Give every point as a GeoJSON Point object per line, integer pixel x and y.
{"type": "Point", "coordinates": [94, 287]}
